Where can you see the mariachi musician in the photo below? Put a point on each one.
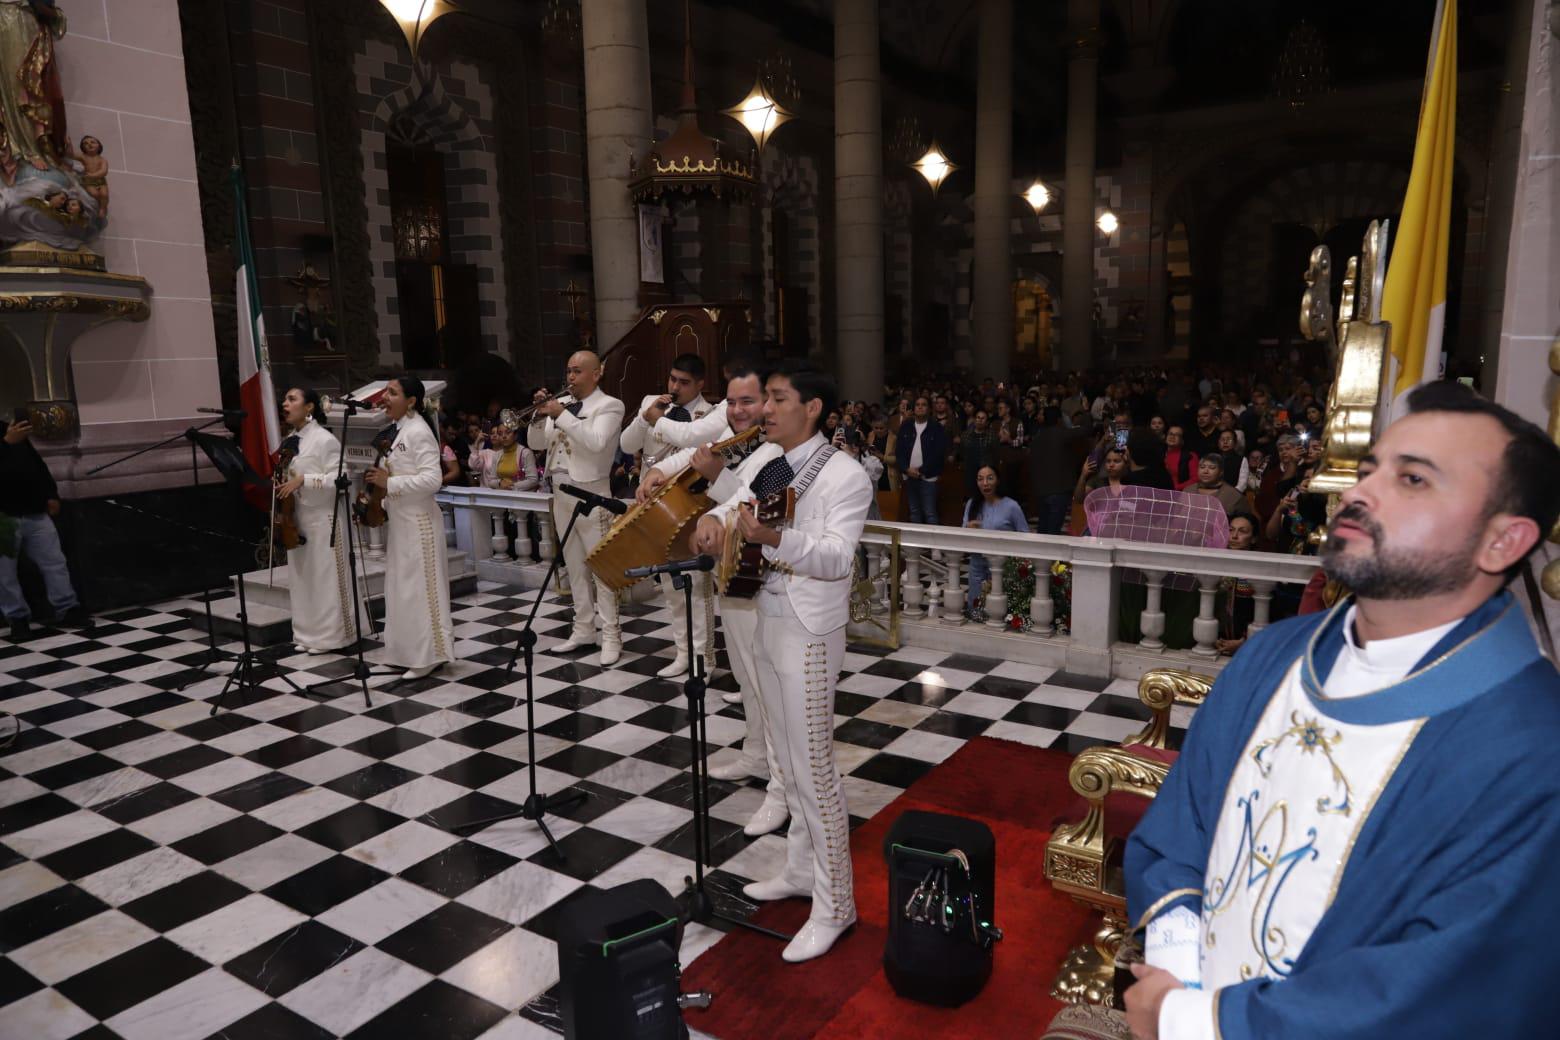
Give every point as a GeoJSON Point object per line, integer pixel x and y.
{"type": "Point", "coordinates": [739, 617]}
{"type": "Point", "coordinates": [418, 634]}
{"type": "Point", "coordinates": [803, 608]}
{"type": "Point", "coordinates": [318, 578]}
{"type": "Point", "coordinates": [581, 439]}
{"type": "Point", "coordinates": [682, 404]}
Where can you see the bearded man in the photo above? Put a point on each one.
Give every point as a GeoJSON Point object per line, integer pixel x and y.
{"type": "Point", "coordinates": [1359, 836]}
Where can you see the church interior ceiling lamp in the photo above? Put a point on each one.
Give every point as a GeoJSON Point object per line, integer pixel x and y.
{"type": "Point", "coordinates": [415, 16]}
{"type": "Point", "coordinates": [1038, 196]}
{"type": "Point", "coordinates": [1107, 222]}
{"type": "Point", "coordinates": [934, 166]}
{"type": "Point", "coordinates": [760, 113]}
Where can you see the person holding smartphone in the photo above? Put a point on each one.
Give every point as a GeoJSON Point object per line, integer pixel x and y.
{"type": "Point", "coordinates": [30, 501]}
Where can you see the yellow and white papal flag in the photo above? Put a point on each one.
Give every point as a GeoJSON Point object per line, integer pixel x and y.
{"type": "Point", "coordinates": [1414, 298]}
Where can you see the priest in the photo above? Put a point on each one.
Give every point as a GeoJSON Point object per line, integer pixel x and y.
{"type": "Point", "coordinates": [1359, 838]}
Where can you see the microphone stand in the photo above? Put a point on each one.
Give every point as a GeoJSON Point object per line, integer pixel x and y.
{"type": "Point", "coordinates": [694, 900]}
{"type": "Point", "coordinates": [243, 676]}
{"type": "Point", "coordinates": [360, 610]}
{"type": "Point", "coordinates": [537, 805]}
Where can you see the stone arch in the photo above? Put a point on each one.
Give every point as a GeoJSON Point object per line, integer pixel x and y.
{"type": "Point", "coordinates": [449, 109]}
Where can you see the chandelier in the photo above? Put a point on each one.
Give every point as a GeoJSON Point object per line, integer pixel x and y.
{"type": "Point", "coordinates": [1302, 72]}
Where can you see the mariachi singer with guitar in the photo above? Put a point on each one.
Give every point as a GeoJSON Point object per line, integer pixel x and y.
{"type": "Point", "coordinates": [803, 605]}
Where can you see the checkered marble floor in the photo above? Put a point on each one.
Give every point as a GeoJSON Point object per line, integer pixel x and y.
{"type": "Point", "coordinates": [305, 866]}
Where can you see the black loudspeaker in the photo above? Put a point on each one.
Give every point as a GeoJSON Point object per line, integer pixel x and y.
{"type": "Point", "coordinates": [617, 965]}
{"type": "Point", "coordinates": [941, 901]}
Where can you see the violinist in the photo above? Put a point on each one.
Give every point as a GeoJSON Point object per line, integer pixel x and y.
{"type": "Point", "coordinates": [418, 634]}
{"type": "Point", "coordinates": [319, 580]}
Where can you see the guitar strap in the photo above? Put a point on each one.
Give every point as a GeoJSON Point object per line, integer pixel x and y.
{"type": "Point", "coordinates": [812, 468]}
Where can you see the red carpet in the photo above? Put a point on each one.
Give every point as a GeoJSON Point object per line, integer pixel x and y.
{"type": "Point", "coordinates": [1016, 790]}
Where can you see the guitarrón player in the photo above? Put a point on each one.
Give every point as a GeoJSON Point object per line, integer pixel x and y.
{"type": "Point", "coordinates": [739, 617]}
{"type": "Point", "coordinates": [804, 606]}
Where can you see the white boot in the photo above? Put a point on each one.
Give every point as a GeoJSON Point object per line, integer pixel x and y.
{"type": "Point", "coordinates": [571, 645]}
{"type": "Point", "coordinates": [679, 666]}
{"type": "Point", "coordinates": [769, 818]}
{"type": "Point", "coordinates": [611, 652]}
{"type": "Point", "coordinates": [776, 888]}
{"type": "Point", "coordinates": [815, 939]}
{"type": "Point", "coordinates": [418, 673]}
{"type": "Point", "coordinates": [732, 698]}
{"type": "Point", "coordinates": [739, 769]}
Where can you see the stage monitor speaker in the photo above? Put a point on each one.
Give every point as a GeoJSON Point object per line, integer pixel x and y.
{"type": "Point", "coordinates": [941, 901]}
{"type": "Point", "coordinates": [617, 965]}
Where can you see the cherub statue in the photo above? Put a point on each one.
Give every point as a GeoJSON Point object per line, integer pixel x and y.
{"type": "Point", "coordinates": [94, 170]}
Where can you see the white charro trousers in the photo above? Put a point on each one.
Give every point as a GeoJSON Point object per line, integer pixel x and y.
{"type": "Point", "coordinates": [796, 672]}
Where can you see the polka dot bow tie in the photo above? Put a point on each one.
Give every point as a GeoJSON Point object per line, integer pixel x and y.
{"type": "Point", "coordinates": [774, 478]}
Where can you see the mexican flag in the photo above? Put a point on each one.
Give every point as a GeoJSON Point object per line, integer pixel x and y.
{"type": "Point", "coordinates": [1414, 298]}
{"type": "Point", "coordinates": [261, 435]}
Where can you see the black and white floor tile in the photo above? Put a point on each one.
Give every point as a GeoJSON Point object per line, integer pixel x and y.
{"type": "Point", "coordinates": [301, 866]}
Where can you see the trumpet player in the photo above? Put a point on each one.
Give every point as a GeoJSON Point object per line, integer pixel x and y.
{"type": "Point", "coordinates": [682, 404]}
{"type": "Point", "coordinates": [581, 438]}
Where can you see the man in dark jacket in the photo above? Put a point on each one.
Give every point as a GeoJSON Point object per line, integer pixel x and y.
{"type": "Point", "coordinates": [921, 451]}
{"type": "Point", "coordinates": [1053, 465]}
{"type": "Point", "coordinates": [29, 499]}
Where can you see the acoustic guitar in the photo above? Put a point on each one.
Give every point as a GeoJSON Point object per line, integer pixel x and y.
{"type": "Point", "coordinates": [740, 570]}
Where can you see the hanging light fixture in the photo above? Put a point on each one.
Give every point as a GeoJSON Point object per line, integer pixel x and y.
{"type": "Point", "coordinates": [934, 166]}
{"type": "Point", "coordinates": [1038, 196]}
{"type": "Point", "coordinates": [759, 112]}
{"type": "Point", "coordinates": [689, 160]}
{"type": "Point", "coordinates": [1107, 222]}
{"type": "Point", "coordinates": [415, 16]}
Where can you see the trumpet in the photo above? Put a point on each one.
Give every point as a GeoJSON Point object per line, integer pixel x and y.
{"type": "Point", "coordinates": [525, 415]}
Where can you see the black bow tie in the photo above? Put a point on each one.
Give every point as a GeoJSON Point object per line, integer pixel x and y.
{"type": "Point", "coordinates": [774, 478]}
{"type": "Point", "coordinates": [574, 407]}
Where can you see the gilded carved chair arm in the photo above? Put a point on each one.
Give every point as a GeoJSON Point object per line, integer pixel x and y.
{"type": "Point", "coordinates": [1161, 689]}
{"type": "Point", "coordinates": [1096, 773]}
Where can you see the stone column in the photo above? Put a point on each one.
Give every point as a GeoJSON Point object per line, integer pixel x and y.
{"type": "Point", "coordinates": [1083, 19]}
{"type": "Point", "coordinates": [993, 191]}
{"type": "Point", "coordinates": [618, 125]}
{"type": "Point", "coordinates": [858, 200]}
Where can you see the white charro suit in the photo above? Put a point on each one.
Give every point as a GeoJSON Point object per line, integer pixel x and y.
{"type": "Point", "coordinates": [800, 646]}
{"type": "Point", "coordinates": [580, 450]}
{"type": "Point", "coordinates": [641, 438]}
{"type": "Point", "coordinates": [739, 619]}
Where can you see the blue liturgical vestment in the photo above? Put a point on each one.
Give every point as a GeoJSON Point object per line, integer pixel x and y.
{"type": "Point", "coordinates": [1442, 919]}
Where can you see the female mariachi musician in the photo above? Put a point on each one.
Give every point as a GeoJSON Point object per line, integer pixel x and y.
{"type": "Point", "coordinates": [418, 633]}
{"type": "Point", "coordinates": [318, 578]}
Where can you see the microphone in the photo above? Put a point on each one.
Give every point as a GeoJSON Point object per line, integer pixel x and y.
{"type": "Point", "coordinates": [702, 562]}
{"type": "Point", "coordinates": [236, 413]}
{"type": "Point", "coordinates": [594, 500]}
{"type": "Point", "coordinates": [350, 402]}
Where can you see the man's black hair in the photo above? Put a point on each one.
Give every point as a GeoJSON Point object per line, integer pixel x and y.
{"type": "Point", "coordinates": [1526, 484]}
{"type": "Point", "coordinates": [692, 364]}
{"type": "Point", "coordinates": [810, 384]}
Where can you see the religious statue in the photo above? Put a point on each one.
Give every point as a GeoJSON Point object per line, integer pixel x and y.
{"type": "Point", "coordinates": [312, 326]}
{"type": "Point", "coordinates": [53, 197]}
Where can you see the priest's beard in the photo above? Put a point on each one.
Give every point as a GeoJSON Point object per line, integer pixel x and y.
{"type": "Point", "coordinates": [1397, 574]}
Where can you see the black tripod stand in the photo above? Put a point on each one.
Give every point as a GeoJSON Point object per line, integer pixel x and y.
{"type": "Point", "coordinates": [360, 610]}
{"type": "Point", "coordinates": [695, 901]}
{"type": "Point", "coordinates": [537, 805]}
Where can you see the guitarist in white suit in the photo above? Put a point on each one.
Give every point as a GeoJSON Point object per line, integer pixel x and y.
{"type": "Point", "coordinates": [739, 617]}
{"type": "Point", "coordinates": [659, 415]}
{"type": "Point", "coordinates": [803, 608]}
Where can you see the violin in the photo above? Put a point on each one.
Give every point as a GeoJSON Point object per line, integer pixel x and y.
{"type": "Point", "coordinates": [370, 505]}
{"type": "Point", "coordinates": [284, 511]}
